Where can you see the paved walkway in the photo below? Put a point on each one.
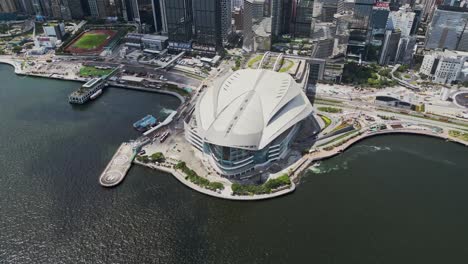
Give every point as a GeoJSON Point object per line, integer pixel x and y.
{"type": "Point", "coordinates": [321, 154]}
{"type": "Point", "coordinates": [225, 194]}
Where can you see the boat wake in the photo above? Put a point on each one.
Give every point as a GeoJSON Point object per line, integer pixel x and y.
{"type": "Point", "coordinates": [374, 148]}
{"type": "Point", "coordinates": [321, 168]}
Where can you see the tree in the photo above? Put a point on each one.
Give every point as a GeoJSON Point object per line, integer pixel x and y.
{"type": "Point", "coordinates": [17, 49]}
{"type": "Point", "coordinates": [402, 68]}
{"type": "Point", "coordinates": [158, 157]}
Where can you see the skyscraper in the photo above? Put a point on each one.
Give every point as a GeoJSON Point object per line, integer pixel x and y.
{"type": "Point", "coordinates": [360, 27]}
{"type": "Point", "coordinates": [303, 18]}
{"type": "Point", "coordinates": [448, 28]}
{"type": "Point", "coordinates": [179, 23]}
{"type": "Point", "coordinates": [390, 47]}
{"type": "Point", "coordinates": [8, 6]}
{"type": "Point", "coordinates": [207, 22]}
{"type": "Point", "coordinates": [324, 10]}
{"type": "Point", "coordinates": [226, 19]}
{"type": "Point", "coordinates": [106, 8]}
{"type": "Point", "coordinates": [26, 6]}
{"type": "Point", "coordinates": [248, 44]}
{"type": "Point", "coordinates": [405, 50]}
{"type": "Point", "coordinates": [237, 4]}
{"type": "Point", "coordinates": [147, 13]}
{"type": "Point", "coordinates": [60, 9]}
{"type": "Point", "coordinates": [96, 8]}
{"type": "Point", "coordinates": [276, 17]}
{"type": "Point", "coordinates": [402, 20]}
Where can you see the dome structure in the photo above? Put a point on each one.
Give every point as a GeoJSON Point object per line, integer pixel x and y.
{"type": "Point", "coordinates": [248, 118]}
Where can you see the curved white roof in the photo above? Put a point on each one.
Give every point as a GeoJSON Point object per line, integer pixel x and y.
{"type": "Point", "coordinates": [250, 108]}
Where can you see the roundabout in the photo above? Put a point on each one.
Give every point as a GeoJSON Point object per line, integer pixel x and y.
{"type": "Point", "coordinates": [461, 99]}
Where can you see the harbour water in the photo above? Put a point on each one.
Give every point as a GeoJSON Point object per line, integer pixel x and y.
{"type": "Point", "coordinates": [391, 199]}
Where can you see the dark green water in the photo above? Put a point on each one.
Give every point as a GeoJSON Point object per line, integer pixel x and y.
{"type": "Point", "coordinates": [393, 199]}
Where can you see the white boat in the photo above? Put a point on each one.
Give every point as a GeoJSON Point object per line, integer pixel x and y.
{"type": "Point", "coordinates": [96, 94]}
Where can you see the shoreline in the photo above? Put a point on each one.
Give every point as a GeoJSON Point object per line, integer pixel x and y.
{"type": "Point", "coordinates": [297, 169]}
{"type": "Point", "coordinates": [181, 178]}
{"type": "Point", "coordinates": [18, 71]}
{"type": "Point", "coordinates": [301, 166]}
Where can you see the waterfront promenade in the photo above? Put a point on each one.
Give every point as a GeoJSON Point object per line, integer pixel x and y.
{"type": "Point", "coordinates": [297, 169]}
{"type": "Point", "coordinates": [321, 153]}
{"type": "Point", "coordinates": [224, 194]}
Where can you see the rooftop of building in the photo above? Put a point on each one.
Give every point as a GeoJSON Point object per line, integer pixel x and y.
{"type": "Point", "coordinates": [263, 29]}
{"type": "Point", "coordinates": [448, 53]}
{"type": "Point", "coordinates": [154, 37]}
{"type": "Point", "coordinates": [250, 108]}
{"type": "Point", "coordinates": [451, 8]}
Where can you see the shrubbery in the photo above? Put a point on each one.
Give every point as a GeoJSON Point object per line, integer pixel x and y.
{"type": "Point", "coordinates": [192, 176]}
{"type": "Point", "coordinates": [143, 159]}
{"type": "Point", "coordinates": [267, 187]}
{"type": "Point", "coordinates": [329, 109]}
{"type": "Point", "coordinates": [156, 157]}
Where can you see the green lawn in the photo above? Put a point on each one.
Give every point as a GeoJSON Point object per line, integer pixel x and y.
{"type": "Point", "coordinates": [458, 134]}
{"type": "Point", "coordinates": [287, 65]}
{"type": "Point", "coordinates": [90, 41]}
{"type": "Point", "coordinates": [254, 60]}
{"type": "Point", "coordinates": [326, 120]}
{"type": "Point", "coordinates": [88, 71]}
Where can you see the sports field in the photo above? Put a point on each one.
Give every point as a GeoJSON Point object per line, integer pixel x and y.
{"type": "Point", "coordinates": [91, 42]}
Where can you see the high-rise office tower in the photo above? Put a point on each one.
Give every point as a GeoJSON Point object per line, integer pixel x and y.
{"type": "Point", "coordinates": [179, 19]}
{"type": "Point", "coordinates": [417, 19]}
{"type": "Point", "coordinates": [237, 4]}
{"type": "Point", "coordinates": [45, 8]}
{"type": "Point", "coordinates": [26, 6]}
{"type": "Point", "coordinates": [379, 20]}
{"type": "Point", "coordinates": [303, 18]}
{"type": "Point", "coordinates": [106, 8]}
{"type": "Point", "coordinates": [96, 8]}
{"type": "Point", "coordinates": [76, 8]}
{"type": "Point", "coordinates": [207, 22]}
{"type": "Point", "coordinates": [8, 6]}
{"type": "Point", "coordinates": [248, 33]}
{"type": "Point", "coordinates": [380, 14]}
{"type": "Point", "coordinates": [402, 20]}
{"type": "Point", "coordinates": [61, 9]}
{"type": "Point", "coordinates": [389, 47]}
{"type": "Point", "coordinates": [162, 8]}
{"type": "Point", "coordinates": [212, 21]}
{"type": "Point", "coordinates": [362, 14]}
{"type": "Point", "coordinates": [147, 13]}
{"type": "Point", "coordinates": [276, 17]}
{"type": "Point", "coordinates": [226, 19]}
{"type": "Point", "coordinates": [429, 6]}
{"type": "Point", "coordinates": [360, 27]}
{"type": "Point", "coordinates": [448, 29]}
{"type": "Point", "coordinates": [324, 10]}
{"type": "Point", "coordinates": [405, 50]}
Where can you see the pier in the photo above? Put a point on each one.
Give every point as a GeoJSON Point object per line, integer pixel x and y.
{"type": "Point", "coordinates": [117, 169]}
{"type": "Point", "coordinates": [120, 164]}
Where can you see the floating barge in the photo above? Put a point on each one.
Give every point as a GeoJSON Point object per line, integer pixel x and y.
{"type": "Point", "coordinates": [145, 123]}
{"type": "Point", "coordinates": [91, 88]}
